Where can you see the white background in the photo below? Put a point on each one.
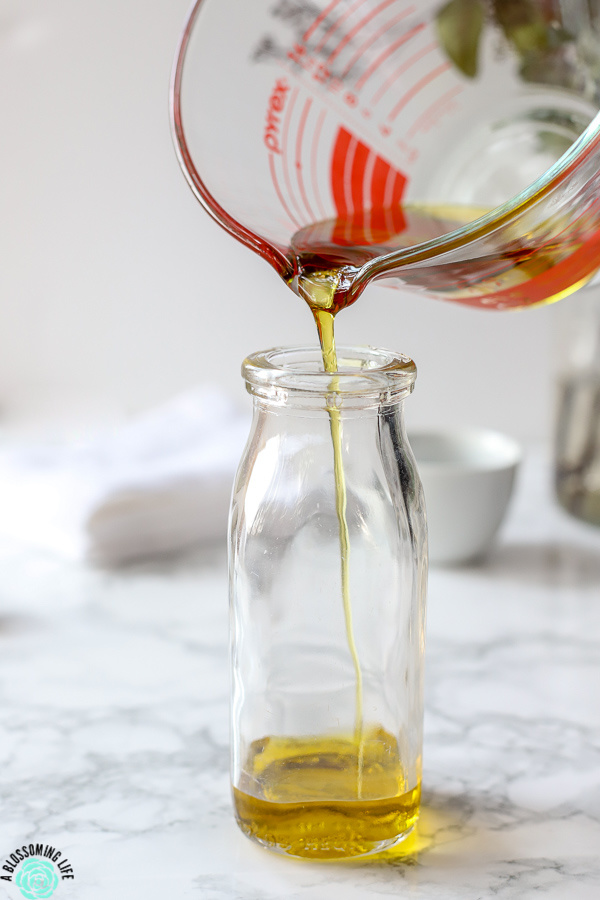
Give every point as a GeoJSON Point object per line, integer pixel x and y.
{"type": "Point", "coordinates": [117, 290]}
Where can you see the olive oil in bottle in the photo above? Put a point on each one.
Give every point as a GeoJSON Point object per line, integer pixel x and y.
{"type": "Point", "coordinates": [330, 821]}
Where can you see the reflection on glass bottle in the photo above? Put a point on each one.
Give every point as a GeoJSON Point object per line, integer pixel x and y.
{"type": "Point", "coordinates": [577, 445]}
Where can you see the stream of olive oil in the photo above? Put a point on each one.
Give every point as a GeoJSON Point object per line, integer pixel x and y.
{"type": "Point", "coordinates": [319, 290]}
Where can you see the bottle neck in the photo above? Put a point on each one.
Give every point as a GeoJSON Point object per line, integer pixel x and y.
{"type": "Point", "coordinates": [367, 380]}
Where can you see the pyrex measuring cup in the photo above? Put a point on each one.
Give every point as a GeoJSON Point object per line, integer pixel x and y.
{"type": "Point", "coordinates": [451, 147]}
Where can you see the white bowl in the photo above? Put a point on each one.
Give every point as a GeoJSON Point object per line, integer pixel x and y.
{"type": "Point", "coordinates": [468, 477]}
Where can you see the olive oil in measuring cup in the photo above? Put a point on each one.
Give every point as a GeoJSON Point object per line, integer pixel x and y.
{"type": "Point", "coordinates": [501, 275]}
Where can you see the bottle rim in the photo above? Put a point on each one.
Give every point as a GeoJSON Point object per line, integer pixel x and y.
{"type": "Point", "coordinates": [366, 376]}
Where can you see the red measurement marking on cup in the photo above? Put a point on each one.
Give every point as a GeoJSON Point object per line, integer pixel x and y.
{"type": "Point", "coordinates": [281, 104]}
{"type": "Point", "coordinates": [415, 58]}
{"type": "Point", "coordinates": [358, 28]}
{"type": "Point", "coordinates": [299, 166]}
{"type": "Point", "coordinates": [294, 128]}
{"type": "Point", "coordinates": [416, 88]}
{"type": "Point", "coordinates": [320, 18]}
{"type": "Point", "coordinates": [360, 185]}
{"type": "Point", "coordinates": [376, 64]}
{"type": "Point", "coordinates": [285, 156]}
{"type": "Point", "coordinates": [307, 131]}
{"type": "Point", "coordinates": [333, 28]}
{"type": "Point", "coordinates": [314, 162]}
{"type": "Point", "coordinates": [341, 172]}
{"type": "Point", "coordinates": [368, 180]}
{"type": "Point", "coordinates": [442, 106]}
{"type": "Point", "coordinates": [391, 23]}
{"type": "Point", "coordinates": [361, 179]}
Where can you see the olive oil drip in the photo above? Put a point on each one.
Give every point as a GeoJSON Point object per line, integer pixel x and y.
{"type": "Point", "coordinates": [319, 291]}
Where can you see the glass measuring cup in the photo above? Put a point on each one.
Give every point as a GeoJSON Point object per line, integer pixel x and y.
{"type": "Point", "coordinates": [436, 145]}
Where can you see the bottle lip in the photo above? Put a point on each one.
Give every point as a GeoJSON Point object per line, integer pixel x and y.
{"type": "Point", "coordinates": [366, 376]}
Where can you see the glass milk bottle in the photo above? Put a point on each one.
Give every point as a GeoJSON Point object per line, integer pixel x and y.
{"type": "Point", "coordinates": [328, 569]}
{"type": "Point", "coordinates": [577, 437]}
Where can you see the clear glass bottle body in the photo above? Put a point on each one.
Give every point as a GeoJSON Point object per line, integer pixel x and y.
{"type": "Point", "coordinates": [327, 634]}
{"type": "Point", "coordinates": [577, 435]}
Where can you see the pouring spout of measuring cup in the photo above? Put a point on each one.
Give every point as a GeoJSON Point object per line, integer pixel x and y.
{"type": "Point", "coordinates": [350, 132]}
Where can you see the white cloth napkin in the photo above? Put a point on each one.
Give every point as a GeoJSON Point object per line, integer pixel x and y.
{"type": "Point", "coordinates": [159, 484]}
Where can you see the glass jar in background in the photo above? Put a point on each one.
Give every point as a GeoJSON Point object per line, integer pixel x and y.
{"type": "Point", "coordinates": [328, 569]}
{"type": "Point", "coordinates": [577, 437]}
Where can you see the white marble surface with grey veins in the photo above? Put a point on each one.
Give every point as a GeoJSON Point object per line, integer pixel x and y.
{"type": "Point", "coordinates": [114, 728]}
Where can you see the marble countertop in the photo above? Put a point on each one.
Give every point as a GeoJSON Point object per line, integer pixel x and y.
{"type": "Point", "coordinates": [114, 728]}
